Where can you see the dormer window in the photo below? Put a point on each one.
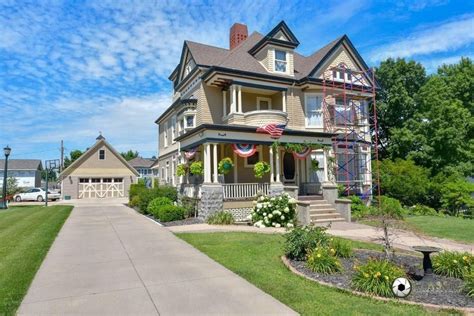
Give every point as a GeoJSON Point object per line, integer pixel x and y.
{"type": "Point", "coordinates": [280, 61]}
{"type": "Point", "coordinates": [188, 67]}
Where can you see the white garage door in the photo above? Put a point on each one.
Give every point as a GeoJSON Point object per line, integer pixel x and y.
{"type": "Point", "coordinates": [92, 188]}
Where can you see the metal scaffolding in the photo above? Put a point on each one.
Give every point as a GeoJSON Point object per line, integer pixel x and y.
{"type": "Point", "coordinates": [348, 97]}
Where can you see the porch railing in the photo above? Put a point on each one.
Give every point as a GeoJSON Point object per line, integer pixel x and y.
{"type": "Point", "coordinates": [238, 191]}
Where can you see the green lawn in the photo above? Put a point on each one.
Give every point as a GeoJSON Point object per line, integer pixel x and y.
{"type": "Point", "coordinates": [256, 257]}
{"type": "Point", "coordinates": [26, 233]}
{"type": "Point", "coordinates": [444, 227]}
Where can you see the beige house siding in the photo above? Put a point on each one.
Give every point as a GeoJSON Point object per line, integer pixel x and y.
{"type": "Point", "coordinates": [210, 105]}
{"type": "Point", "coordinates": [296, 109]}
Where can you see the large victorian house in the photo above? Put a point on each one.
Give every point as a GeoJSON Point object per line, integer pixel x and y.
{"type": "Point", "coordinates": [223, 95]}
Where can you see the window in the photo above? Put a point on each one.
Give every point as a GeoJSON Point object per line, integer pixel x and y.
{"type": "Point", "coordinates": [102, 154]}
{"type": "Point", "coordinates": [173, 129]}
{"type": "Point", "coordinates": [339, 75]}
{"type": "Point", "coordinates": [107, 180]}
{"type": "Point", "coordinates": [264, 103]}
{"type": "Point", "coordinates": [95, 180]}
{"type": "Point", "coordinates": [280, 61]}
{"type": "Point", "coordinates": [83, 180]}
{"type": "Point", "coordinates": [252, 160]}
{"type": "Point", "coordinates": [189, 120]}
{"type": "Point", "coordinates": [165, 134]}
{"type": "Point", "coordinates": [181, 126]}
{"type": "Point", "coordinates": [118, 180]}
{"type": "Point", "coordinates": [188, 67]}
{"type": "Point", "coordinates": [314, 112]}
{"type": "Point", "coordinates": [343, 112]}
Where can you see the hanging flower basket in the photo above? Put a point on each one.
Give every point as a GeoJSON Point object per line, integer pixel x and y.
{"type": "Point", "coordinates": [181, 170]}
{"type": "Point", "coordinates": [225, 165]}
{"type": "Point", "coordinates": [314, 164]}
{"type": "Point", "coordinates": [197, 168]}
{"type": "Point", "coordinates": [260, 169]}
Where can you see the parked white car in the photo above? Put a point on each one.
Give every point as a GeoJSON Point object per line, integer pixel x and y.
{"type": "Point", "coordinates": [36, 194]}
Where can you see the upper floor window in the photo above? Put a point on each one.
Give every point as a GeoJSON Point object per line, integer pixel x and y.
{"type": "Point", "coordinates": [165, 134]}
{"type": "Point", "coordinates": [344, 111]}
{"type": "Point", "coordinates": [101, 154]}
{"type": "Point", "coordinates": [188, 67]}
{"type": "Point", "coordinates": [280, 61]}
{"type": "Point", "coordinates": [314, 110]}
{"type": "Point", "coordinates": [189, 120]}
{"type": "Point", "coordinates": [173, 129]}
{"type": "Point", "coordinates": [342, 75]}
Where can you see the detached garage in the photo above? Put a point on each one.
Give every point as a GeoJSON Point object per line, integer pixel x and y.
{"type": "Point", "coordinates": [101, 172]}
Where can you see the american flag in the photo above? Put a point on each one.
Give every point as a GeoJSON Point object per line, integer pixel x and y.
{"type": "Point", "coordinates": [275, 130]}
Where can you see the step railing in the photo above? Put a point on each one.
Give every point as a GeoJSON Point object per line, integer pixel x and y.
{"type": "Point", "coordinates": [244, 191]}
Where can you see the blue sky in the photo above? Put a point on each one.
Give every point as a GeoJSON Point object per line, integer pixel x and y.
{"type": "Point", "coordinates": [69, 69]}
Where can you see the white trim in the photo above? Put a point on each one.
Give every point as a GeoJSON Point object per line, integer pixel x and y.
{"type": "Point", "coordinates": [306, 120]}
{"type": "Point", "coordinates": [269, 100]}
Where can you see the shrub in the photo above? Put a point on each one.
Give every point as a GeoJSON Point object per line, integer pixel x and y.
{"type": "Point", "coordinates": [323, 260]}
{"type": "Point", "coordinates": [453, 264]}
{"type": "Point", "coordinates": [155, 205]}
{"type": "Point", "coordinates": [469, 284]}
{"type": "Point", "coordinates": [457, 195]}
{"type": "Point", "coordinates": [168, 213]}
{"type": "Point", "coordinates": [276, 211]}
{"type": "Point", "coordinates": [404, 181]}
{"type": "Point", "coordinates": [342, 248]}
{"type": "Point", "coordinates": [197, 168]}
{"type": "Point", "coordinates": [391, 208]}
{"type": "Point", "coordinates": [167, 191]}
{"type": "Point", "coordinates": [301, 239]}
{"type": "Point", "coordinates": [358, 209]}
{"type": "Point", "coordinates": [423, 210]}
{"type": "Point", "coordinates": [134, 201]}
{"type": "Point", "coordinates": [260, 169]}
{"type": "Point", "coordinates": [136, 189]}
{"type": "Point", "coordinates": [376, 277]}
{"type": "Point", "coordinates": [221, 218]}
{"type": "Point", "coordinates": [190, 206]}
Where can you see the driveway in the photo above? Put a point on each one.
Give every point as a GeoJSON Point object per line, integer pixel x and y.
{"type": "Point", "coordinates": [109, 260]}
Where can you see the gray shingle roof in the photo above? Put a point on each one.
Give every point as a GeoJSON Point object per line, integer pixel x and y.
{"type": "Point", "coordinates": [240, 59]}
{"type": "Point", "coordinates": [21, 164]}
{"type": "Point", "coordinates": [141, 162]}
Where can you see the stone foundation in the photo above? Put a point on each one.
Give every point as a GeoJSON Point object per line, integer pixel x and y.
{"type": "Point", "coordinates": [212, 200]}
{"type": "Point", "coordinates": [276, 189]}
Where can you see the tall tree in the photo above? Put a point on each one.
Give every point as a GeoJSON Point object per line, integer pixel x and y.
{"type": "Point", "coordinates": [129, 155]}
{"type": "Point", "coordinates": [400, 81]}
{"type": "Point", "coordinates": [73, 156]}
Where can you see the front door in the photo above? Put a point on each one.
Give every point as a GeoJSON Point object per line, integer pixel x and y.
{"type": "Point", "coordinates": [289, 167]}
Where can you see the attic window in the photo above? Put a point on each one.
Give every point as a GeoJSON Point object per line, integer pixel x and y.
{"type": "Point", "coordinates": [280, 61]}
{"type": "Point", "coordinates": [101, 154]}
{"type": "Point", "coordinates": [188, 67]}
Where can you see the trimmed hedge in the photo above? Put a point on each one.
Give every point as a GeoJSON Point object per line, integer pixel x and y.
{"type": "Point", "coordinates": [155, 205]}
{"type": "Point", "coordinates": [168, 213]}
{"type": "Point", "coordinates": [140, 196]}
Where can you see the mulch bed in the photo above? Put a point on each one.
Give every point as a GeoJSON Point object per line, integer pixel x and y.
{"type": "Point", "coordinates": [187, 221]}
{"type": "Point", "coordinates": [432, 289]}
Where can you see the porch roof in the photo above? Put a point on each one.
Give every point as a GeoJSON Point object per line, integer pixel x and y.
{"type": "Point", "coordinates": [218, 133]}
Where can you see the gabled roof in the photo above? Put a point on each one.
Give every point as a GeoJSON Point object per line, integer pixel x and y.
{"type": "Point", "coordinates": [100, 142]}
{"type": "Point", "coordinates": [140, 162]}
{"type": "Point", "coordinates": [291, 41]}
{"type": "Point", "coordinates": [21, 164]}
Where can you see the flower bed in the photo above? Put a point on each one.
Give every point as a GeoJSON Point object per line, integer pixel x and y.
{"type": "Point", "coordinates": [433, 289]}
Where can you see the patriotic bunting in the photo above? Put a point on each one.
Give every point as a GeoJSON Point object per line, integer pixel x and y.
{"type": "Point", "coordinates": [191, 153]}
{"type": "Point", "coordinates": [244, 150]}
{"type": "Point", "coordinates": [303, 154]}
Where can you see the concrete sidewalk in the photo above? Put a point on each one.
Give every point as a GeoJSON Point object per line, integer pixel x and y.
{"type": "Point", "coordinates": [109, 260]}
{"type": "Point", "coordinates": [401, 239]}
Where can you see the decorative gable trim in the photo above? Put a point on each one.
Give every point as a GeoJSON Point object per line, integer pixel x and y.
{"type": "Point", "coordinates": [271, 38]}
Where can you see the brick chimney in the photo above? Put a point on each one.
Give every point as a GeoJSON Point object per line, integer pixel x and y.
{"type": "Point", "coordinates": [238, 34]}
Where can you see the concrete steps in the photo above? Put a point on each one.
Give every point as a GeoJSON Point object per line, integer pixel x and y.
{"type": "Point", "coordinates": [320, 211]}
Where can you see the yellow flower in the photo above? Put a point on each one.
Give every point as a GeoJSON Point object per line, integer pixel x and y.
{"type": "Point", "coordinates": [377, 274]}
{"type": "Point", "coordinates": [464, 258]}
{"type": "Point", "coordinates": [455, 261]}
{"type": "Point", "coordinates": [386, 278]}
{"type": "Point", "coordinates": [333, 251]}
{"type": "Point", "coordinates": [366, 275]}
{"type": "Point", "coordinates": [318, 255]}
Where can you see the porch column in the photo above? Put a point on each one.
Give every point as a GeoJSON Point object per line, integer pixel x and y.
{"type": "Point", "coordinates": [236, 174]}
{"type": "Point", "coordinates": [240, 98]}
{"type": "Point", "coordinates": [215, 162]}
{"type": "Point", "coordinates": [283, 100]}
{"type": "Point", "coordinates": [207, 163]}
{"type": "Point", "coordinates": [277, 165]}
{"type": "Point", "coordinates": [272, 175]}
{"type": "Point", "coordinates": [224, 102]}
{"type": "Point", "coordinates": [233, 99]}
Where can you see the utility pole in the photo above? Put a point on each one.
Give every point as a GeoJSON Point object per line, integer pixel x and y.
{"type": "Point", "coordinates": [61, 166]}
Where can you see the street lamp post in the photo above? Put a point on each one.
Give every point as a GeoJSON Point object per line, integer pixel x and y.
{"type": "Point", "coordinates": [7, 150]}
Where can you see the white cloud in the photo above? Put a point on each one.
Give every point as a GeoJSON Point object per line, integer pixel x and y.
{"type": "Point", "coordinates": [432, 64]}
{"type": "Point", "coordinates": [445, 37]}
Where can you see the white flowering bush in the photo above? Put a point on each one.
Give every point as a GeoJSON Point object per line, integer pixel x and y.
{"type": "Point", "coordinates": [275, 211]}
